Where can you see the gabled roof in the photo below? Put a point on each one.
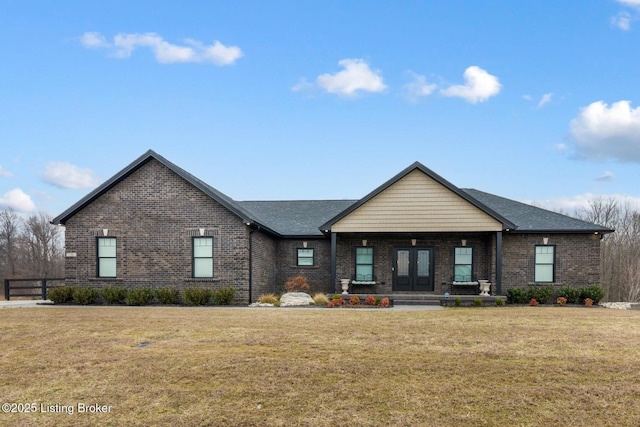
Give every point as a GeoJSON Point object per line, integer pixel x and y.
{"type": "Point", "coordinates": [531, 219]}
{"type": "Point", "coordinates": [506, 224]}
{"type": "Point", "coordinates": [216, 195]}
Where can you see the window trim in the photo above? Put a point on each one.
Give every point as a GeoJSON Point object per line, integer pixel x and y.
{"type": "Point", "coordinates": [552, 264]}
{"type": "Point", "coordinates": [312, 257]}
{"type": "Point", "coordinates": [456, 264]}
{"type": "Point", "coordinates": [372, 264]}
{"type": "Point", "coordinates": [194, 257]}
{"type": "Point", "coordinates": [99, 258]}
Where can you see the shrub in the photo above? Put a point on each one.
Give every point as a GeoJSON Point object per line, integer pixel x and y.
{"type": "Point", "coordinates": [268, 299]}
{"type": "Point", "coordinates": [533, 302]}
{"type": "Point", "coordinates": [477, 302]}
{"type": "Point", "coordinates": [196, 296]}
{"type": "Point", "coordinates": [139, 296]}
{"type": "Point", "coordinates": [499, 302]}
{"type": "Point", "coordinates": [85, 296]}
{"type": "Point", "coordinates": [113, 294]}
{"type": "Point", "coordinates": [336, 297]}
{"type": "Point", "coordinates": [542, 294]}
{"type": "Point", "coordinates": [517, 296]}
{"type": "Point", "coordinates": [570, 293]}
{"type": "Point", "coordinates": [457, 301]}
{"type": "Point", "coordinates": [588, 302]}
{"type": "Point", "coordinates": [167, 295]}
{"type": "Point", "coordinates": [224, 295]}
{"type": "Point", "coordinates": [561, 301]}
{"type": "Point", "coordinates": [320, 299]}
{"type": "Point", "coordinates": [593, 292]}
{"type": "Point", "coordinates": [297, 284]}
{"type": "Point", "coordinates": [354, 300]}
{"type": "Point", "coordinates": [336, 302]}
{"type": "Point", "coordinates": [60, 295]}
{"type": "Point", "coordinates": [370, 300]}
{"type": "Point", "coordinates": [384, 302]}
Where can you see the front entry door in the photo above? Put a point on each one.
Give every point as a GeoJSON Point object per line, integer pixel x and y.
{"type": "Point", "coordinates": [413, 269]}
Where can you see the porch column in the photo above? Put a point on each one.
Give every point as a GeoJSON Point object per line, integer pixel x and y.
{"type": "Point", "coordinates": [333, 261]}
{"type": "Point", "coordinates": [499, 263]}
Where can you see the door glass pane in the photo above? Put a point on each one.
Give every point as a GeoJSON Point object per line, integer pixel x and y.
{"type": "Point", "coordinates": [403, 263]}
{"type": "Point", "coordinates": [423, 263]}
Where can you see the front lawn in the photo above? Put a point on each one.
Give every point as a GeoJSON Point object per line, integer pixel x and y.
{"type": "Point", "coordinates": [529, 366]}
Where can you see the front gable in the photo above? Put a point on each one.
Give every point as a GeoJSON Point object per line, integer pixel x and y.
{"type": "Point", "coordinates": [417, 201]}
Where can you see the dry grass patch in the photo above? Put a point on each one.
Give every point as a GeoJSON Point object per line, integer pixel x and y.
{"type": "Point", "coordinates": [228, 366]}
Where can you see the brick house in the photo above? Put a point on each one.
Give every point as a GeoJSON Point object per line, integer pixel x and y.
{"type": "Point", "coordinates": [153, 224]}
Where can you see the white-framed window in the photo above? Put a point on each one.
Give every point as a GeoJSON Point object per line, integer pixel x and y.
{"type": "Point", "coordinates": [305, 257]}
{"type": "Point", "coordinates": [364, 264]}
{"type": "Point", "coordinates": [107, 261]}
{"type": "Point", "coordinates": [463, 264]}
{"type": "Point", "coordinates": [545, 263]}
{"type": "Point", "coordinates": [203, 257]}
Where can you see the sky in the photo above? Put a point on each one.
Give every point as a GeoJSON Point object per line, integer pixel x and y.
{"type": "Point", "coordinates": [536, 101]}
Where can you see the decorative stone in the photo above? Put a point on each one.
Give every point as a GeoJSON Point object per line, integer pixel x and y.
{"type": "Point", "coordinates": [291, 299]}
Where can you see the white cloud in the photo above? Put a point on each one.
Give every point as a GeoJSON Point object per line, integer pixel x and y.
{"type": "Point", "coordinates": [66, 175]}
{"type": "Point", "coordinates": [478, 86]}
{"type": "Point", "coordinates": [622, 20]}
{"type": "Point", "coordinates": [17, 200]}
{"type": "Point", "coordinates": [601, 132]}
{"type": "Point", "coordinates": [124, 44]}
{"type": "Point", "coordinates": [418, 87]}
{"type": "Point", "coordinates": [4, 173]}
{"type": "Point", "coordinates": [606, 176]}
{"type": "Point", "coordinates": [546, 98]}
{"type": "Point", "coordinates": [356, 76]}
{"type": "Point", "coordinates": [632, 3]}
{"type": "Point", "coordinates": [579, 202]}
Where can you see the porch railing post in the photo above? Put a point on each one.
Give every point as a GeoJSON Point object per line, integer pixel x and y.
{"type": "Point", "coordinates": [333, 262]}
{"type": "Point", "coordinates": [499, 263]}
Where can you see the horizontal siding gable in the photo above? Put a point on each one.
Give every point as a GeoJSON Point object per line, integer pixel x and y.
{"type": "Point", "coordinates": [416, 203]}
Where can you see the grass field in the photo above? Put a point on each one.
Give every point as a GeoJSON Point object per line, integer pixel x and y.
{"type": "Point", "coordinates": [525, 366]}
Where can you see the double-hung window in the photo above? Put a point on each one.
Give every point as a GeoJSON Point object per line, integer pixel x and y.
{"type": "Point", "coordinates": [364, 264]}
{"type": "Point", "coordinates": [305, 257]}
{"type": "Point", "coordinates": [545, 263]}
{"type": "Point", "coordinates": [463, 264]}
{"type": "Point", "coordinates": [106, 257]}
{"type": "Point", "coordinates": [203, 257]}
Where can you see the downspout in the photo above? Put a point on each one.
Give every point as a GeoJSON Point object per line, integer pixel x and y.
{"type": "Point", "coordinates": [499, 263]}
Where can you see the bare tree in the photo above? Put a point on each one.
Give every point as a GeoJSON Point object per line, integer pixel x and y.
{"type": "Point", "coordinates": [42, 246]}
{"type": "Point", "coordinates": [9, 243]}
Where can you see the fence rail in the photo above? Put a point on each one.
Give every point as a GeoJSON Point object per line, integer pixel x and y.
{"type": "Point", "coordinates": [28, 291]}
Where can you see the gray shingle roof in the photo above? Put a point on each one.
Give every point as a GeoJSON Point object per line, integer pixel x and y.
{"type": "Point", "coordinates": [295, 218]}
{"type": "Point", "coordinates": [529, 218]}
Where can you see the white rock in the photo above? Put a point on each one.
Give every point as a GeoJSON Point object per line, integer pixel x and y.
{"type": "Point", "coordinates": [291, 299]}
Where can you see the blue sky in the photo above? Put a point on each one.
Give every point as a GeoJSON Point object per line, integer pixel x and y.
{"type": "Point", "coordinates": [538, 101]}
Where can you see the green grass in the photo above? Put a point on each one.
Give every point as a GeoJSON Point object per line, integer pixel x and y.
{"type": "Point", "coordinates": [281, 367]}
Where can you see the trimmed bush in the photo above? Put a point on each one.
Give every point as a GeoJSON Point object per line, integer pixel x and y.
{"type": "Point", "coordinates": [593, 292]}
{"type": "Point", "coordinates": [542, 294]}
{"type": "Point", "coordinates": [354, 300]}
{"type": "Point", "coordinates": [499, 302]}
{"type": "Point", "coordinates": [139, 296]}
{"type": "Point", "coordinates": [224, 296]}
{"type": "Point", "coordinates": [196, 296]}
{"type": "Point", "coordinates": [571, 294]}
{"type": "Point", "coordinates": [85, 296]}
{"type": "Point", "coordinates": [167, 295]}
{"type": "Point", "coordinates": [114, 294]}
{"type": "Point", "coordinates": [457, 302]}
{"type": "Point", "coordinates": [517, 296]}
{"type": "Point", "coordinates": [60, 295]}
{"type": "Point", "coordinates": [477, 302]}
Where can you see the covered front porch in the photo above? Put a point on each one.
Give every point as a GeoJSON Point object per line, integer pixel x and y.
{"type": "Point", "coordinates": [416, 263]}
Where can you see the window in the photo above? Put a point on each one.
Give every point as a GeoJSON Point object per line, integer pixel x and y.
{"type": "Point", "coordinates": [203, 257]}
{"type": "Point", "coordinates": [106, 257]}
{"type": "Point", "coordinates": [545, 264]}
{"type": "Point", "coordinates": [364, 264]}
{"type": "Point", "coordinates": [463, 265]}
{"type": "Point", "coordinates": [305, 257]}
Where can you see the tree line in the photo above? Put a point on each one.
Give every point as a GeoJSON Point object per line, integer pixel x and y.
{"type": "Point", "coordinates": [32, 247]}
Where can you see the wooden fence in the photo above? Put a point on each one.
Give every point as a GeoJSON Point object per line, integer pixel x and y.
{"type": "Point", "coordinates": [28, 287]}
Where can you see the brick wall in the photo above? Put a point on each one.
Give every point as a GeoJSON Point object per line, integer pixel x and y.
{"type": "Point", "coordinates": [577, 259]}
{"type": "Point", "coordinates": [154, 214]}
{"type": "Point", "coordinates": [264, 265]}
{"type": "Point", "coordinates": [317, 275]}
